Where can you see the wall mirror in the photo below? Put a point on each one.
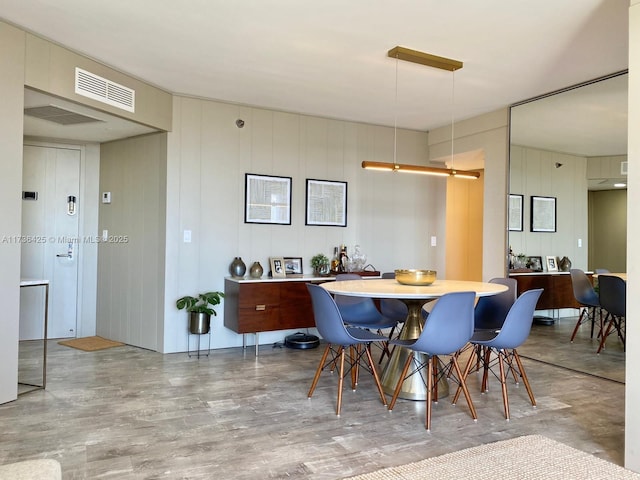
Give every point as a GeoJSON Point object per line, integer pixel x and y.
{"type": "Point", "coordinates": [572, 145]}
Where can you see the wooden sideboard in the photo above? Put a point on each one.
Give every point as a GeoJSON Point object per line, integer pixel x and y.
{"type": "Point", "coordinates": [558, 291]}
{"type": "Point", "coordinates": [253, 306]}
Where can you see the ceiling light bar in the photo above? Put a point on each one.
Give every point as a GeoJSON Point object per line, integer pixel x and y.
{"type": "Point", "coordinates": [399, 167]}
{"type": "Point", "coordinates": [422, 58]}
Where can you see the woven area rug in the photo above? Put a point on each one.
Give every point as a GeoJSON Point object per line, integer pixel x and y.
{"type": "Point", "coordinates": [90, 344]}
{"type": "Point", "coordinates": [531, 457]}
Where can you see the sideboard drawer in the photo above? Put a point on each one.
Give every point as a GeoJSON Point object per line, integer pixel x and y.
{"type": "Point", "coordinates": [260, 318]}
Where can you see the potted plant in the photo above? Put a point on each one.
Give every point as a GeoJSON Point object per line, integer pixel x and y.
{"type": "Point", "coordinates": [200, 309]}
{"type": "Point", "coordinates": [320, 264]}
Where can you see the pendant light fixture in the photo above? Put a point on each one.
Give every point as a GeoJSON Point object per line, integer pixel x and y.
{"type": "Point", "coordinates": [402, 53]}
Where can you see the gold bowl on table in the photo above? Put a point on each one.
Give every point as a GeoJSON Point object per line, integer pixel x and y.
{"type": "Point", "coordinates": [416, 277]}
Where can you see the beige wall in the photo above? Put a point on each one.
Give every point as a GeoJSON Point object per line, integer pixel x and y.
{"type": "Point", "coordinates": [533, 172]}
{"type": "Point", "coordinates": [632, 397]}
{"type": "Point", "coordinates": [131, 261]}
{"type": "Point", "coordinates": [11, 106]}
{"type": "Point", "coordinates": [487, 134]}
{"type": "Point", "coordinates": [608, 230]}
{"type": "Point", "coordinates": [51, 68]}
{"type": "Point", "coordinates": [392, 216]}
{"type": "Point", "coordinates": [464, 245]}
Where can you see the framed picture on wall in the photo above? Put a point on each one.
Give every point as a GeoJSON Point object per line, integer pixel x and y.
{"type": "Point", "coordinates": [515, 212]}
{"type": "Point", "coordinates": [326, 203]}
{"type": "Point", "coordinates": [543, 214]}
{"type": "Point", "coordinates": [267, 199]}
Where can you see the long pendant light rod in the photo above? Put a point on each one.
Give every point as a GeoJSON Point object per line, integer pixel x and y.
{"type": "Point", "coordinates": [402, 53]}
{"type": "Point", "coordinates": [400, 167]}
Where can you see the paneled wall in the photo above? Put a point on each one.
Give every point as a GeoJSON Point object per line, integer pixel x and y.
{"type": "Point", "coordinates": [390, 215]}
{"type": "Point", "coordinates": [131, 259]}
{"type": "Point", "coordinates": [11, 111]}
{"type": "Point", "coordinates": [534, 172]}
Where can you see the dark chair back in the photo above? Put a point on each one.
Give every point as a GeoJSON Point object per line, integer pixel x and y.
{"type": "Point", "coordinates": [393, 308]}
{"type": "Point", "coordinates": [613, 294]}
{"type": "Point", "coordinates": [491, 310]}
{"type": "Point", "coordinates": [582, 289]}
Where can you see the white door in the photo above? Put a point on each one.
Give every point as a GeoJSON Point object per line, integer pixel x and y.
{"type": "Point", "coordinates": [50, 206]}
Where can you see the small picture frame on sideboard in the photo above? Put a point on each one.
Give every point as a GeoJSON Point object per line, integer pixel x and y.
{"type": "Point", "coordinates": [552, 264]}
{"type": "Point", "coordinates": [277, 267]}
{"type": "Point", "coordinates": [534, 264]}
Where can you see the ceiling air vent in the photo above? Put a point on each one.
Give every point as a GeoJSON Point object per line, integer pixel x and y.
{"type": "Point", "coordinates": [623, 168]}
{"type": "Point", "coordinates": [93, 86]}
{"type": "Point", "coordinates": [58, 115]}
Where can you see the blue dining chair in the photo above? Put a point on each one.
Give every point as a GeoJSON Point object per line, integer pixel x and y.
{"type": "Point", "coordinates": [447, 328]}
{"type": "Point", "coordinates": [491, 311]}
{"type": "Point", "coordinates": [588, 300]}
{"type": "Point", "coordinates": [613, 299]}
{"type": "Point", "coordinates": [362, 312]}
{"type": "Point", "coordinates": [392, 308]}
{"type": "Point", "coordinates": [504, 342]}
{"type": "Point", "coordinates": [332, 329]}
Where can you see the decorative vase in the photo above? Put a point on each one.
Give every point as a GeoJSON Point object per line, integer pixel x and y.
{"type": "Point", "coordinates": [237, 269]}
{"type": "Point", "coordinates": [322, 270]}
{"type": "Point", "coordinates": [564, 264]}
{"type": "Point", "coordinates": [256, 270]}
{"type": "Point", "coordinates": [199, 323]}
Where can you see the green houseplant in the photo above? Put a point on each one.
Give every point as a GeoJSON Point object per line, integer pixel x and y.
{"type": "Point", "coordinates": [320, 264]}
{"type": "Point", "coordinates": [200, 309]}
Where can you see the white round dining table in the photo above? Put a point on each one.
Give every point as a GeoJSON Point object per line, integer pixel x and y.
{"type": "Point", "coordinates": [415, 297]}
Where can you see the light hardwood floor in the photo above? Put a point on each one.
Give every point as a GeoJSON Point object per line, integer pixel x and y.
{"type": "Point", "coordinates": [128, 413]}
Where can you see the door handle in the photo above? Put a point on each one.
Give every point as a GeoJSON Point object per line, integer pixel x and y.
{"type": "Point", "coordinates": [69, 253]}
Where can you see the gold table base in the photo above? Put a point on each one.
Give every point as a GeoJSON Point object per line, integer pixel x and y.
{"type": "Point", "coordinates": [414, 387]}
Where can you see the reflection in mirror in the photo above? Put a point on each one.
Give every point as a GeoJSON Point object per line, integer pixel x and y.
{"type": "Point", "coordinates": [570, 146]}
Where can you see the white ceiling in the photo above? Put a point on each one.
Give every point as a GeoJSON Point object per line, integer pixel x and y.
{"type": "Point", "coordinates": [330, 58]}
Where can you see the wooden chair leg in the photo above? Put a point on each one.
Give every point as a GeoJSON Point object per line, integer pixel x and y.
{"type": "Point", "coordinates": [385, 346]}
{"type": "Point", "coordinates": [463, 385]}
{"type": "Point", "coordinates": [434, 380]}
{"type": "Point", "coordinates": [606, 333]}
{"type": "Point", "coordinates": [467, 369]}
{"type": "Point", "coordinates": [340, 381]}
{"type": "Point", "coordinates": [319, 370]}
{"type": "Point", "coordinates": [354, 353]}
{"type": "Point", "coordinates": [525, 379]}
{"type": "Point", "coordinates": [367, 350]}
{"type": "Point", "coordinates": [429, 393]}
{"type": "Point", "coordinates": [503, 381]}
{"type": "Point", "coordinates": [401, 379]}
{"type": "Point", "coordinates": [484, 387]}
{"type": "Point", "coordinates": [579, 322]}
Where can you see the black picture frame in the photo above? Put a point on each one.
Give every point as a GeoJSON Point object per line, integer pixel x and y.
{"type": "Point", "coordinates": [267, 199]}
{"type": "Point", "coordinates": [515, 212]}
{"type": "Point", "coordinates": [326, 203]}
{"type": "Point", "coordinates": [292, 266]}
{"type": "Point", "coordinates": [543, 214]}
{"type": "Point", "coordinates": [534, 264]}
